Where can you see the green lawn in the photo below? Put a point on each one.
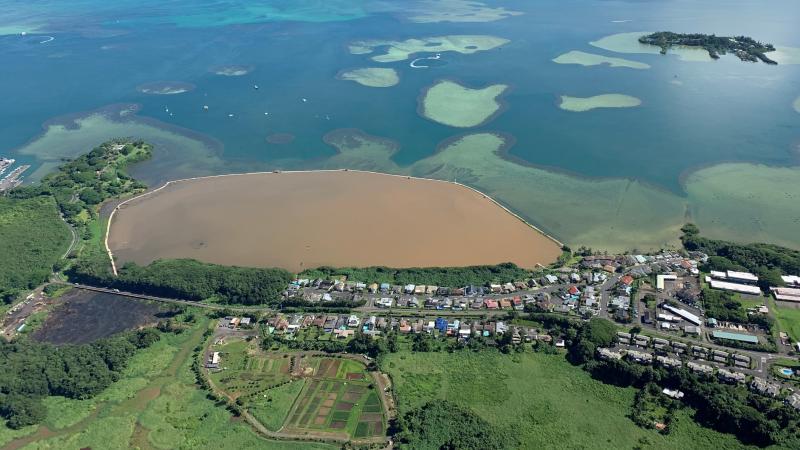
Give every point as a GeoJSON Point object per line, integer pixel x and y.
{"type": "Point", "coordinates": [541, 399]}
{"type": "Point", "coordinates": [788, 320]}
{"type": "Point", "coordinates": [750, 301]}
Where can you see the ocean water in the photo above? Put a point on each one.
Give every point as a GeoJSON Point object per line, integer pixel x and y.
{"type": "Point", "coordinates": [693, 114]}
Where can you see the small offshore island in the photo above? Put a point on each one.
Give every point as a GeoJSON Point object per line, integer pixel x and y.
{"type": "Point", "coordinates": [745, 48]}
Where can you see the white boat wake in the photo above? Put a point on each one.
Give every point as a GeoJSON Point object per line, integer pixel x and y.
{"type": "Point", "coordinates": [417, 66]}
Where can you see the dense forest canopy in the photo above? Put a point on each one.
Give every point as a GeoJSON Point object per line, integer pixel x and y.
{"type": "Point", "coordinates": [189, 279]}
{"type": "Point", "coordinates": [32, 239]}
{"type": "Point", "coordinates": [32, 371]}
{"type": "Point", "coordinates": [440, 424]}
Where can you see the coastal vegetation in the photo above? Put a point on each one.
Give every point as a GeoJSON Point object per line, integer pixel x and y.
{"type": "Point", "coordinates": [435, 276]}
{"type": "Point", "coordinates": [582, 104]}
{"type": "Point", "coordinates": [81, 185]}
{"type": "Point", "coordinates": [395, 51]}
{"type": "Point", "coordinates": [372, 76]}
{"type": "Point", "coordinates": [33, 240]}
{"type": "Point", "coordinates": [767, 261]}
{"type": "Point", "coordinates": [592, 59]}
{"type": "Point", "coordinates": [745, 48]}
{"type": "Point", "coordinates": [187, 279]}
{"type": "Point", "coordinates": [450, 103]}
{"type": "Point", "coordinates": [629, 43]}
{"type": "Point", "coordinates": [70, 136]}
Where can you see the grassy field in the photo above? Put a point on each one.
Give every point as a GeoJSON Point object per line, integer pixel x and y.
{"type": "Point", "coordinates": [33, 239]}
{"type": "Point", "coordinates": [274, 408]}
{"type": "Point", "coordinates": [750, 301]}
{"type": "Point", "coordinates": [788, 319]}
{"type": "Point", "coordinates": [541, 399]}
{"type": "Point", "coordinates": [156, 404]}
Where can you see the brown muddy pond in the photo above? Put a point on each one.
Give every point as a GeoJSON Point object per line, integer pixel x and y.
{"type": "Point", "coordinates": [339, 218]}
{"type": "Point", "coordinates": [82, 316]}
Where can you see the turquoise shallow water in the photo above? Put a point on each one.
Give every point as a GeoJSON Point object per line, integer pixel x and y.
{"type": "Point", "coordinates": [692, 114]}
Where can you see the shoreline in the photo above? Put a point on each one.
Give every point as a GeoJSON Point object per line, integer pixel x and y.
{"type": "Point", "coordinates": [171, 182]}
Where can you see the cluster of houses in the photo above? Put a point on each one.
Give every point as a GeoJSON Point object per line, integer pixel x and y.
{"type": "Point", "coordinates": [342, 284]}
{"type": "Point", "coordinates": [343, 326]}
{"type": "Point", "coordinates": [665, 346]}
{"type": "Point", "coordinates": [517, 303]}
{"type": "Point", "coordinates": [642, 265]}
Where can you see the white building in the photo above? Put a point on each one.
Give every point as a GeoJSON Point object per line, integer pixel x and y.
{"type": "Point", "coordinates": [733, 287]}
{"type": "Point", "coordinates": [661, 279]}
{"type": "Point", "coordinates": [686, 315]}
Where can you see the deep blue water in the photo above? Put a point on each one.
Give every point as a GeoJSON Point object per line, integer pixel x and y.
{"type": "Point", "coordinates": [725, 110]}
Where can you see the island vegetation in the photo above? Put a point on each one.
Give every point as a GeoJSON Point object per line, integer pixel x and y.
{"type": "Point", "coordinates": [745, 48]}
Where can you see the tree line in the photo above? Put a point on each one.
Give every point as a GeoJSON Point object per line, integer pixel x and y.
{"type": "Point", "coordinates": [188, 279]}
{"type": "Point", "coordinates": [455, 277]}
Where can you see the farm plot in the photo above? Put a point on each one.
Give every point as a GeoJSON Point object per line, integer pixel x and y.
{"type": "Point", "coordinates": [301, 394]}
{"type": "Point", "coordinates": [248, 375]}
{"type": "Point", "coordinates": [339, 399]}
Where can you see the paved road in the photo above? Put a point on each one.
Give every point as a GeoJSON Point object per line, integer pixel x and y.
{"type": "Point", "coordinates": [361, 310]}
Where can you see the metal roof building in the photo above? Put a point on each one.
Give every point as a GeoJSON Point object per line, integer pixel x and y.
{"type": "Point", "coordinates": [735, 337]}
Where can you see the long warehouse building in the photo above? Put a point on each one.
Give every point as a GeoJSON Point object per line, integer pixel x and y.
{"type": "Point", "coordinates": [686, 315]}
